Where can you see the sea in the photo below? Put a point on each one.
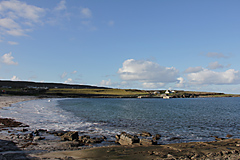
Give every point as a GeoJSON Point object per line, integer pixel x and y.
{"type": "Point", "coordinates": [176, 120]}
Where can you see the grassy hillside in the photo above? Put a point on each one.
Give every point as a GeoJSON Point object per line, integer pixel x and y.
{"type": "Point", "coordinates": [96, 92]}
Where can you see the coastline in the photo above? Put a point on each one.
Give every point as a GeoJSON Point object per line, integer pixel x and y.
{"type": "Point", "coordinates": [50, 148]}
{"type": "Point", "coordinates": [6, 101]}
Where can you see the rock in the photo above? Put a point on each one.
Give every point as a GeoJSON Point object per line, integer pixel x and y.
{"type": "Point", "coordinates": [157, 137]}
{"type": "Point", "coordinates": [84, 139]}
{"type": "Point", "coordinates": [229, 136]}
{"type": "Point", "coordinates": [38, 138]}
{"type": "Point", "coordinates": [96, 140]}
{"type": "Point", "coordinates": [174, 138]}
{"type": "Point", "coordinates": [146, 142]}
{"type": "Point", "coordinates": [87, 139]}
{"type": "Point", "coordinates": [128, 139]}
{"type": "Point", "coordinates": [57, 133]}
{"type": "Point", "coordinates": [117, 138]}
{"type": "Point", "coordinates": [36, 133]}
{"type": "Point", "coordinates": [146, 134]}
{"type": "Point", "coordinates": [29, 136]}
{"type": "Point", "coordinates": [24, 130]}
{"type": "Point", "coordinates": [70, 136]}
{"type": "Point", "coordinates": [219, 139]}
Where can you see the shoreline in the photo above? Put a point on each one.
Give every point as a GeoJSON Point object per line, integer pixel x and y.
{"type": "Point", "coordinates": [48, 147]}
{"type": "Point", "coordinates": [6, 101]}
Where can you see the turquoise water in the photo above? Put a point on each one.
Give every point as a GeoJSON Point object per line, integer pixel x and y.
{"type": "Point", "coordinates": [195, 119]}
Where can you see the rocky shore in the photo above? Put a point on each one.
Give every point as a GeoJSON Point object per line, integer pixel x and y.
{"type": "Point", "coordinates": [19, 142]}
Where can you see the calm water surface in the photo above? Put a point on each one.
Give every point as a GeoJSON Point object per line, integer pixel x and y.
{"type": "Point", "coordinates": [195, 119]}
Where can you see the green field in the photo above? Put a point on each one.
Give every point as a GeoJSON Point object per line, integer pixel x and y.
{"type": "Point", "coordinates": [97, 92]}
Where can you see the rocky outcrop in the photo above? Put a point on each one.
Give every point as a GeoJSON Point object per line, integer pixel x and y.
{"type": "Point", "coordinates": [147, 142]}
{"type": "Point", "coordinates": [146, 134]}
{"type": "Point", "coordinates": [70, 136]}
{"type": "Point", "coordinates": [86, 139]}
{"type": "Point", "coordinates": [127, 139]}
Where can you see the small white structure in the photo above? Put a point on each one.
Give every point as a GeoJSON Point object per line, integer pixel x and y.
{"type": "Point", "coordinates": [169, 91]}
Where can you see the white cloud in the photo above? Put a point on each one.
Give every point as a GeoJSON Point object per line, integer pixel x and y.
{"type": "Point", "coordinates": [215, 65]}
{"type": "Point", "coordinates": [8, 59]}
{"type": "Point", "coordinates": [15, 9]}
{"type": "Point", "coordinates": [13, 43]}
{"type": "Point", "coordinates": [64, 75]}
{"type": "Point", "coordinates": [209, 77]}
{"type": "Point", "coordinates": [193, 69]}
{"type": "Point", "coordinates": [106, 83]}
{"type": "Point", "coordinates": [86, 13]}
{"type": "Point", "coordinates": [74, 72]}
{"type": "Point", "coordinates": [69, 80]}
{"type": "Point", "coordinates": [8, 23]}
{"type": "Point", "coordinates": [15, 78]}
{"type": "Point", "coordinates": [180, 83]}
{"type": "Point", "coordinates": [147, 72]}
{"type": "Point", "coordinates": [61, 6]}
{"type": "Point", "coordinates": [17, 17]}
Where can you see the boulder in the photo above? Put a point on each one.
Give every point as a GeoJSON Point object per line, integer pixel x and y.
{"type": "Point", "coordinates": [146, 142]}
{"type": "Point", "coordinates": [229, 136]}
{"type": "Point", "coordinates": [146, 134]}
{"type": "Point", "coordinates": [157, 137]}
{"type": "Point", "coordinates": [70, 136]}
{"type": "Point", "coordinates": [84, 139]}
{"type": "Point", "coordinates": [128, 139]}
{"type": "Point", "coordinates": [87, 139]}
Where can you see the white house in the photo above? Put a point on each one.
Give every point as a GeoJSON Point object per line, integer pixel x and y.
{"type": "Point", "coordinates": [169, 91]}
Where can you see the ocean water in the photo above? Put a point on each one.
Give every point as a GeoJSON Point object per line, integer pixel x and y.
{"type": "Point", "coordinates": [190, 120]}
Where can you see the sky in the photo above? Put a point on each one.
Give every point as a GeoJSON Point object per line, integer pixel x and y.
{"type": "Point", "coordinates": [137, 44]}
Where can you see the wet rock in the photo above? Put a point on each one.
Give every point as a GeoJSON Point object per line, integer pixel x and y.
{"type": "Point", "coordinates": [157, 137]}
{"type": "Point", "coordinates": [146, 134]}
{"type": "Point", "coordinates": [70, 136]}
{"type": "Point", "coordinates": [96, 140]}
{"type": "Point", "coordinates": [29, 136]}
{"type": "Point", "coordinates": [219, 139]}
{"type": "Point", "coordinates": [38, 138]}
{"type": "Point", "coordinates": [24, 130]}
{"type": "Point", "coordinates": [84, 139]}
{"type": "Point", "coordinates": [127, 139]}
{"type": "Point", "coordinates": [174, 138]}
{"type": "Point", "coordinates": [117, 138]}
{"type": "Point", "coordinates": [36, 133]}
{"type": "Point", "coordinates": [229, 136]}
{"type": "Point", "coordinates": [57, 133]}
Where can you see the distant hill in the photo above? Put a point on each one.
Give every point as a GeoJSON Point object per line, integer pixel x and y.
{"type": "Point", "coordinates": [28, 84]}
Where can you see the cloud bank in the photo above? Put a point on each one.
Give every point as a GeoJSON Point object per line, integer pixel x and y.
{"type": "Point", "coordinates": [150, 74]}
{"type": "Point", "coordinates": [209, 77]}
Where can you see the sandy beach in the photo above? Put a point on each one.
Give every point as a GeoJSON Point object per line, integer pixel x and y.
{"type": "Point", "coordinates": [6, 101]}
{"type": "Point", "coordinates": [18, 142]}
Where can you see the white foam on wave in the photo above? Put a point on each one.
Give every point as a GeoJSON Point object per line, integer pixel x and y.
{"type": "Point", "coordinates": [44, 114]}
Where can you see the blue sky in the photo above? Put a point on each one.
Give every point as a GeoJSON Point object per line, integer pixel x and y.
{"type": "Point", "coordinates": [143, 44]}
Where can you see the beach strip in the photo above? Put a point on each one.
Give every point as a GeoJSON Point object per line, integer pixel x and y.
{"type": "Point", "coordinates": [6, 101]}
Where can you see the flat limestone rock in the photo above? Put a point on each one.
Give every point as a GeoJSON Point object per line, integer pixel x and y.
{"type": "Point", "coordinates": [225, 149]}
